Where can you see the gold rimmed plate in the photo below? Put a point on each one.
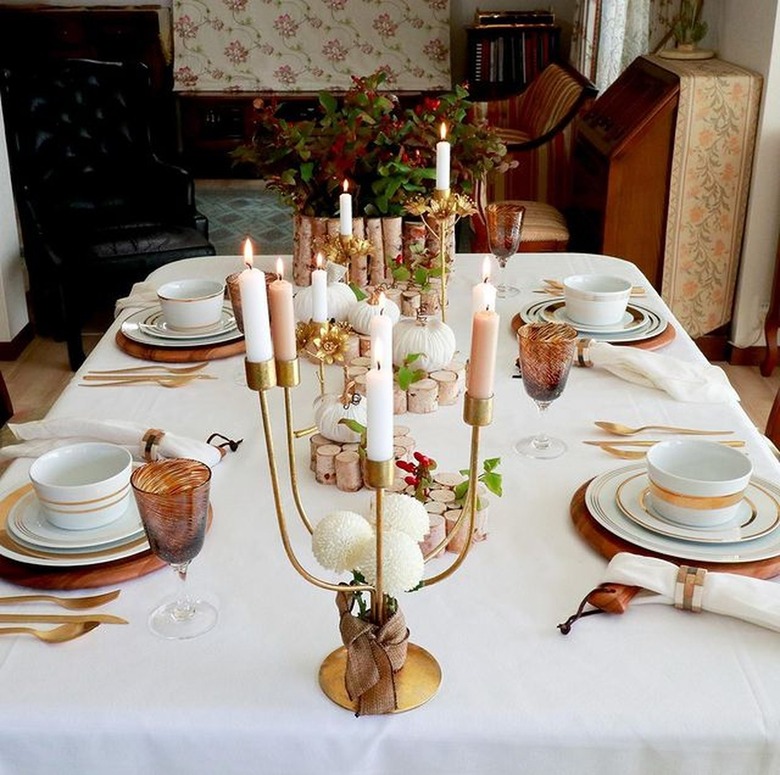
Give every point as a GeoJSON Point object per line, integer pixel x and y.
{"type": "Point", "coordinates": [135, 327]}
{"type": "Point", "coordinates": [749, 524]}
{"type": "Point", "coordinates": [601, 502]}
{"type": "Point", "coordinates": [633, 318]}
{"type": "Point", "coordinates": [27, 525]}
{"type": "Point", "coordinates": [13, 550]}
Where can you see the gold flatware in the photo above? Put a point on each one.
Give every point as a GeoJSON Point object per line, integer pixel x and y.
{"type": "Point", "coordinates": [59, 634]}
{"type": "Point", "coordinates": [628, 454]}
{"type": "Point", "coordinates": [624, 430]}
{"type": "Point", "coordinates": [163, 381]}
{"type": "Point", "coordinates": [169, 369]}
{"type": "Point", "coordinates": [650, 443]}
{"type": "Point", "coordinates": [143, 377]}
{"type": "Point", "coordinates": [61, 618]}
{"type": "Point", "coordinates": [71, 603]}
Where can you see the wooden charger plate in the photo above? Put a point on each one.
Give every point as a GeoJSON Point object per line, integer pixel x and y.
{"type": "Point", "coordinates": [653, 343]}
{"type": "Point", "coordinates": [179, 354]}
{"type": "Point", "coordinates": [80, 577]}
{"type": "Point", "coordinates": [607, 544]}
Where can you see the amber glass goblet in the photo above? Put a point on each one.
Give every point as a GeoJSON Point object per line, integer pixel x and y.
{"type": "Point", "coordinates": [546, 354]}
{"type": "Point", "coordinates": [504, 222]}
{"type": "Point", "coordinates": [173, 500]}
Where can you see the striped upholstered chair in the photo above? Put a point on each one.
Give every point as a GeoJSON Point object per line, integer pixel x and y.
{"type": "Point", "coordinates": [537, 127]}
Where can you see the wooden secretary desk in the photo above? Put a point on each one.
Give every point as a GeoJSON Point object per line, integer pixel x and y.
{"type": "Point", "coordinates": [661, 174]}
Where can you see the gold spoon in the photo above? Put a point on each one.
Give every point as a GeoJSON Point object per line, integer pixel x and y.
{"type": "Point", "coordinates": [624, 430]}
{"type": "Point", "coordinates": [143, 377]}
{"type": "Point", "coordinates": [71, 603]}
{"type": "Point", "coordinates": [169, 369]}
{"type": "Point", "coordinates": [57, 634]}
{"type": "Point", "coordinates": [650, 443]}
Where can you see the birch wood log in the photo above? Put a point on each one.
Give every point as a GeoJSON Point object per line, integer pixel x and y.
{"type": "Point", "coordinates": [410, 303]}
{"type": "Point", "coordinates": [435, 536]}
{"type": "Point", "coordinates": [392, 244]}
{"type": "Point", "coordinates": [376, 263]}
{"type": "Point", "coordinates": [394, 294]}
{"type": "Point", "coordinates": [347, 469]}
{"type": "Point", "coordinates": [315, 442]}
{"type": "Point", "coordinates": [399, 399]}
{"type": "Point", "coordinates": [447, 382]}
{"type": "Point", "coordinates": [325, 463]}
{"type": "Point", "coordinates": [413, 239]}
{"type": "Point", "coordinates": [422, 397]}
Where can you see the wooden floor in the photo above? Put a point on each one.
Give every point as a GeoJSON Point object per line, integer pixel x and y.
{"type": "Point", "coordinates": [37, 377]}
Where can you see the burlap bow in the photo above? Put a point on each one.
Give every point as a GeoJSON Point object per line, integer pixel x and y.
{"type": "Point", "coordinates": [374, 654]}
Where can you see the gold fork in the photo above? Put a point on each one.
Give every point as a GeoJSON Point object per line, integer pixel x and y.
{"type": "Point", "coordinates": [169, 369]}
{"type": "Point", "coordinates": [163, 381]}
{"type": "Point", "coordinates": [71, 603]}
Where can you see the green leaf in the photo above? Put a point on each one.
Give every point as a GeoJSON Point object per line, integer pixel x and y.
{"type": "Point", "coordinates": [307, 171]}
{"type": "Point", "coordinates": [491, 463]}
{"type": "Point", "coordinates": [410, 358]}
{"type": "Point", "coordinates": [353, 425]}
{"type": "Point", "coordinates": [359, 293]}
{"type": "Point", "coordinates": [493, 483]}
{"type": "Point", "coordinates": [404, 377]}
{"type": "Point", "coordinates": [460, 490]}
{"type": "Point", "coordinates": [401, 273]}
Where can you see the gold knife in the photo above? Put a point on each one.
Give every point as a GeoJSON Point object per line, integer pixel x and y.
{"type": "Point", "coordinates": [650, 443]}
{"type": "Point", "coordinates": [61, 618]}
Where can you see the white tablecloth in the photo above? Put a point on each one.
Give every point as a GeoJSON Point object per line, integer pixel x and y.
{"type": "Point", "coordinates": [655, 690]}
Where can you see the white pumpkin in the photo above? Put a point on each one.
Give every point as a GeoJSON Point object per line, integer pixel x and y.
{"type": "Point", "coordinates": [330, 409]}
{"type": "Point", "coordinates": [432, 338]}
{"type": "Point", "coordinates": [362, 313]}
{"type": "Point", "coordinates": [340, 299]}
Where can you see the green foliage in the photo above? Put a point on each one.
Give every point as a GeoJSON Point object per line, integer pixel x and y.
{"type": "Point", "coordinates": [385, 152]}
{"type": "Point", "coordinates": [407, 375]}
{"type": "Point", "coordinates": [687, 27]}
{"type": "Point", "coordinates": [489, 477]}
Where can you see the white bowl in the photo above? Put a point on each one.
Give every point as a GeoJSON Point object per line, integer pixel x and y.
{"type": "Point", "coordinates": [596, 299]}
{"type": "Point", "coordinates": [83, 486]}
{"type": "Point", "coordinates": [697, 483]}
{"type": "Point", "coordinates": [192, 305]}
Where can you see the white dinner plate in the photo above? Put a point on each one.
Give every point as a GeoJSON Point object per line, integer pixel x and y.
{"type": "Point", "coordinates": [601, 502]}
{"type": "Point", "coordinates": [27, 524]}
{"type": "Point", "coordinates": [13, 550]}
{"type": "Point", "coordinates": [633, 318]}
{"type": "Point", "coordinates": [654, 324]}
{"type": "Point", "coordinates": [133, 329]}
{"type": "Point", "coordinates": [749, 524]}
{"type": "Point", "coordinates": [156, 325]}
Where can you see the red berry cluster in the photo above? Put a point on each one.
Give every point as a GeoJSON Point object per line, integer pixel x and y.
{"type": "Point", "coordinates": [419, 473]}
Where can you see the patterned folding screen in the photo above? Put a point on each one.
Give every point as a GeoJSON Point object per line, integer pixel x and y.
{"type": "Point", "coordinates": [301, 45]}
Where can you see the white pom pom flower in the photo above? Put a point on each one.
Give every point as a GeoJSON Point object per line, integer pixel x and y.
{"type": "Point", "coordinates": [403, 513]}
{"type": "Point", "coordinates": [337, 537]}
{"type": "Point", "coordinates": [402, 565]}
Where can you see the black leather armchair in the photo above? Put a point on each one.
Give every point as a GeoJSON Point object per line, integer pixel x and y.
{"type": "Point", "coordinates": [98, 210]}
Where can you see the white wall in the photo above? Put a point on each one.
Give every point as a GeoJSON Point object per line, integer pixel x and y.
{"type": "Point", "coordinates": [749, 34]}
{"type": "Point", "coordinates": [13, 308]}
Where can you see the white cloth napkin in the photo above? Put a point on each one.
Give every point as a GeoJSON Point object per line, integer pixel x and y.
{"type": "Point", "coordinates": [42, 435]}
{"type": "Point", "coordinates": [742, 597]}
{"type": "Point", "coordinates": [141, 295]}
{"type": "Point", "coordinates": [683, 381]}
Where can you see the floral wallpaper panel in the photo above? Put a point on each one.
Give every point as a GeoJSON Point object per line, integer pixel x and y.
{"type": "Point", "coordinates": [308, 45]}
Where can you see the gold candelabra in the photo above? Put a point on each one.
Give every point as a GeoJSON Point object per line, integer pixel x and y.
{"type": "Point", "coordinates": [440, 214]}
{"type": "Point", "coordinates": [419, 678]}
{"type": "Point", "coordinates": [344, 249]}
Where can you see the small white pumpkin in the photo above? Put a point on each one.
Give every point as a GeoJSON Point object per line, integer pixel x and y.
{"type": "Point", "coordinates": [361, 314]}
{"type": "Point", "coordinates": [331, 408]}
{"type": "Point", "coordinates": [340, 299]}
{"type": "Point", "coordinates": [432, 338]}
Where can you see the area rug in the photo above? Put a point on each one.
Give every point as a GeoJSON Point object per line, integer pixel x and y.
{"type": "Point", "coordinates": [236, 213]}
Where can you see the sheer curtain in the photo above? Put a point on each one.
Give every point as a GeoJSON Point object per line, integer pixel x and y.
{"type": "Point", "coordinates": [609, 34]}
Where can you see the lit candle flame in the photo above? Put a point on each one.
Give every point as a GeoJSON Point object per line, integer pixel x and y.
{"type": "Point", "coordinates": [248, 260]}
{"type": "Point", "coordinates": [377, 354]}
{"type": "Point", "coordinates": [345, 186]}
{"type": "Point", "coordinates": [279, 268]}
{"type": "Point", "coordinates": [318, 260]}
{"type": "Point", "coordinates": [486, 269]}
{"type": "Point", "coordinates": [443, 131]}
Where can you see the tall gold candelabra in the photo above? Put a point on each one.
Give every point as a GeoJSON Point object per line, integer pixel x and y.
{"type": "Point", "coordinates": [440, 214]}
{"type": "Point", "coordinates": [419, 678]}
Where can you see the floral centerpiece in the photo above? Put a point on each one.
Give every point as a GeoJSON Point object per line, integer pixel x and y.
{"type": "Point", "coordinates": [385, 152]}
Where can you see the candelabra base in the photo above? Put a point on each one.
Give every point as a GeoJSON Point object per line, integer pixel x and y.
{"type": "Point", "coordinates": [416, 682]}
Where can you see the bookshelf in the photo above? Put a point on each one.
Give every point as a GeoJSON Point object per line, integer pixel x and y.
{"type": "Point", "coordinates": [507, 49]}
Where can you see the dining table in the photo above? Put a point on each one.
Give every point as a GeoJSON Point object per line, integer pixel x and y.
{"type": "Point", "coordinates": [652, 690]}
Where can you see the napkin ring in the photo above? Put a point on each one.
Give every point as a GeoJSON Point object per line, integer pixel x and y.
{"type": "Point", "coordinates": [151, 440]}
{"type": "Point", "coordinates": [583, 359]}
{"type": "Point", "coordinates": [689, 588]}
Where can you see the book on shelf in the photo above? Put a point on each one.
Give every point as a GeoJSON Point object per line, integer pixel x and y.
{"type": "Point", "coordinates": [491, 18]}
